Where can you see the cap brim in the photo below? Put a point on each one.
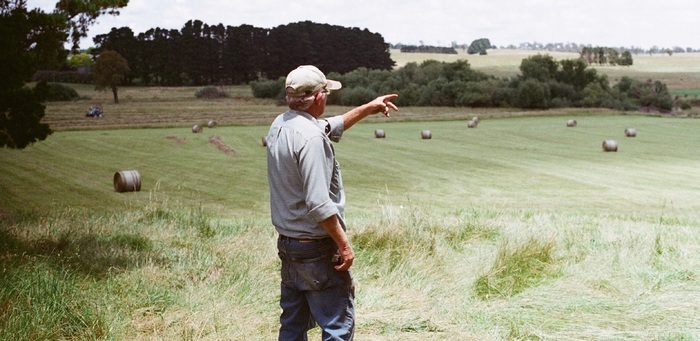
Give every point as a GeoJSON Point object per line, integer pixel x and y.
{"type": "Point", "coordinates": [333, 85]}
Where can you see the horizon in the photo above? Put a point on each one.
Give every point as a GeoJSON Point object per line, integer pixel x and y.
{"type": "Point", "coordinates": [618, 23]}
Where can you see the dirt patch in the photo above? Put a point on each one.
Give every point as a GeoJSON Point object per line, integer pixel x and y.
{"type": "Point", "coordinates": [178, 139]}
{"type": "Point", "coordinates": [220, 145]}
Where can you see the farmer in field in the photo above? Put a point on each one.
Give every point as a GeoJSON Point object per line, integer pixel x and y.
{"type": "Point", "coordinates": [307, 204]}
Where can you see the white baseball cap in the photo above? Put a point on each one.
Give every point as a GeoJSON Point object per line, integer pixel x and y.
{"type": "Point", "coordinates": [307, 79]}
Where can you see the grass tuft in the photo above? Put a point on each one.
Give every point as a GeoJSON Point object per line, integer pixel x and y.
{"type": "Point", "coordinates": [516, 270]}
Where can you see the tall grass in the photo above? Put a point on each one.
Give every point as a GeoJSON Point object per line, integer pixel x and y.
{"type": "Point", "coordinates": [516, 270]}
{"type": "Point", "coordinates": [70, 274]}
{"type": "Point", "coordinates": [473, 274]}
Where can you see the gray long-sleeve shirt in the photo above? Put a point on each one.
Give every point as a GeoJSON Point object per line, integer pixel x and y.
{"type": "Point", "coordinates": [305, 182]}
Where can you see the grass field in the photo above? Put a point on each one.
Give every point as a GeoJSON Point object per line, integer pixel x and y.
{"type": "Point", "coordinates": [191, 256]}
{"type": "Point", "coordinates": [519, 229]}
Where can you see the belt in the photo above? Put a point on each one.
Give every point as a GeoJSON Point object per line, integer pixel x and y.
{"type": "Point", "coordinates": [301, 240]}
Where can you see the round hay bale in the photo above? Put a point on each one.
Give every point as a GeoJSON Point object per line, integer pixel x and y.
{"type": "Point", "coordinates": [610, 146]}
{"type": "Point", "coordinates": [379, 133]}
{"type": "Point", "coordinates": [211, 124]}
{"type": "Point", "coordinates": [127, 181]}
{"type": "Point", "coordinates": [472, 124]}
{"type": "Point", "coordinates": [264, 141]}
{"type": "Point", "coordinates": [630, 132]}
{"type": "Point", "coordinates": [475, 119]}
{"type": "Point", "coordinates": [426, 135]}
{"type": "Point", "coordinates": [571, 123]}
{"type": "Point", "coordinates": [196, 128]}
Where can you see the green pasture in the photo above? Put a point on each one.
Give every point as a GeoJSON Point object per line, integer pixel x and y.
{"type": "Point", "coordinates": [518, 163]}
{"type": "Point", "coordinates": [521, 228]}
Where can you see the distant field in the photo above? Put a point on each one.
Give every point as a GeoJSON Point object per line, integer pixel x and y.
{"type": "Point", "coordinates": [679, 71]}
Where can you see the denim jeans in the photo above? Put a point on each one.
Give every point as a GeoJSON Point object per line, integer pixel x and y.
{"type": "Point", "coordinates": [312, 291]}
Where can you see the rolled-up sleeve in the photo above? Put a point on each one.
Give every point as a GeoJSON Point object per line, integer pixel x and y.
{"type": "Point", "coordinates": [334, 127]}
{"type": "Point", "coordinates": [316, 164]}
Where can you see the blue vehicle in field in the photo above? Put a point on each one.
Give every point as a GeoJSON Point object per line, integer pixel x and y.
{"type": "Point", "coordinates": [94, 111]}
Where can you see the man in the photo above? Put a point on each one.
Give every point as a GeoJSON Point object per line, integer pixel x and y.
{"type": "Point", "coordinates": [307, 204]}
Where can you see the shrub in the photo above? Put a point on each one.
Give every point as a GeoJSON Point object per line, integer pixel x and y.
{"type": "Point", "coordinates": [595, 96]}
{"type": "Point", "coordinates": [211, 92]}
{"type": "Point", "coordinates": [559, 102]}
{"type": "Point", "coordinates": [357, 96]}
{"type": "Point", "coordinates": [64, 77]}
{"type": "Point", "coordinates": [652, 94]}
{"type": "Point", "coordinates": [273, 89]}
{"type": "Point", "coordinates": [531, 94]}
{"type": "Point", "coordinates": [59, 92]}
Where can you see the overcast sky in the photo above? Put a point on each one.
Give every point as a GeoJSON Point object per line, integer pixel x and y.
{"type": "Point", "coordinates": [641, 23]}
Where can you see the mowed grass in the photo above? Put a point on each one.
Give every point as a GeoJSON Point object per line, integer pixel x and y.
{"type": "Point", "coordinates": [521, 228]}
{"type": "Point", "coordinates": [503, 162]}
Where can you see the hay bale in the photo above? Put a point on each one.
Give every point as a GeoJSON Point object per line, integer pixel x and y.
{"type": "Point", "coordinates": [211, 124]}
{"type": "Point", "coordinates": [475, 119]}
{"type": "Point", "coordinates": [196, 128]}
{"type": "Point", "coordinates": [426, 135]}
{"type": "Point", "coordinates": [264, 141]}
{"type": "Point", "coordinates": [472, 124]}
{"type": "Point", "coordinates": [571, 123]}
{"type": "Point", "coordinates": [630, 132]}
{"type": "Point", "coordinates": [379, 133]}
{"type": "Point", "coordinates": [127, 181]}
{"type": "Point", "coordinates": [609, 146]}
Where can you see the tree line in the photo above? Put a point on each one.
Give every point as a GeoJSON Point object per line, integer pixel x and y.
{"type": "Point", "coordinates": [606, 55]}
{"type": "Point", "coordinates": [574, 47]}
{"type": "Point", "coordinates": [202, 54]}
{"type": "Point", "coordinates": [543, 83]}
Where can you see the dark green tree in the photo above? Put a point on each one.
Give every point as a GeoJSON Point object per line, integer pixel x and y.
{"type": "Point", "coordinates": [30, 40]}
{"type": "Point", "coordinates": [123, 42]}
{"type": "Point", "coordinates": [539, 67]}
{"type": "Point", "coordinates": [147, 59]}
{"type": "Point", "coordinates": [532, 94]}
{"type": "Point", "coordinates": [110, 71]}
{"type": "Point", "coordinates": [243, 52]}
{"type": "Point", "coordinates": [479, 46]}
{"type": "Point", "coordinates": [194, 51]}
{"type": "Point", "coordinates": [576, 73]}
{"type": "Point", "coordinates": [625, 59]}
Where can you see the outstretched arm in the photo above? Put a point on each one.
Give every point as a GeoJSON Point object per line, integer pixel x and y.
{"type": "Point", "coordinates": [381, 104]}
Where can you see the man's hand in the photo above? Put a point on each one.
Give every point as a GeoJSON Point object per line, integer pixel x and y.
{"type": "Point", "coordinates": [382, 104]}
{"type": "Point", "coordinates": [347, 256]}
